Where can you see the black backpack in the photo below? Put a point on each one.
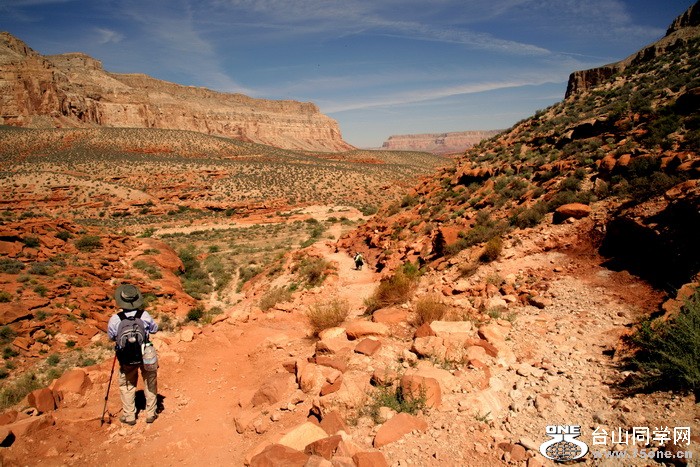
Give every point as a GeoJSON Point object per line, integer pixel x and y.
{"type": "Point", "coordinates": [131, 335]}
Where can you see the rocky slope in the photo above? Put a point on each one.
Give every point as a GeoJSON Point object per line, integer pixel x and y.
{"type": "Point", "coordinates": [73, 90]}
{"type": "Point", "coordinates": [438, 143]}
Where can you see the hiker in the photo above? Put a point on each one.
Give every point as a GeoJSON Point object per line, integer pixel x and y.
{"type": "Point", "coordinates": [359, 261]}
{"type": "Point", "coordinates": [130, 328]}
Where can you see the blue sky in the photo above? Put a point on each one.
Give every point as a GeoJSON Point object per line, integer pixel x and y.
{"type": "Point", "coordinates": [379, 67]}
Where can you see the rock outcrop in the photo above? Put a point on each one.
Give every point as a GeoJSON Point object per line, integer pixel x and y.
{"type": "Point", "coordinates": [438, 143]}
{"type": "Point", "coordinates": [73, 90]}
{"type": "Point", "coordinates": [683, 28]}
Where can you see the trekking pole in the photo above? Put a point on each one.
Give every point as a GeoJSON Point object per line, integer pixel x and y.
{"type": "Point", "coordinates": [102, 418]}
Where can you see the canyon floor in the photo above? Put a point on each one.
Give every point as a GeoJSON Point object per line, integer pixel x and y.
{"type": "Point", "coordinates": [555, 365]}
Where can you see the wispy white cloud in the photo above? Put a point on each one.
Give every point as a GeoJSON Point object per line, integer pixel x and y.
{"type": "Point", "coordinates": [172, 28]}
{"type": "Point", "coordinates": [107, 36]}
{"type": "Point", "coordinates": [433, 94]}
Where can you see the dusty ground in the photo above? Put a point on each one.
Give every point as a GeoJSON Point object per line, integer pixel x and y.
{"type": "Point", "coordinates": [563, 367]}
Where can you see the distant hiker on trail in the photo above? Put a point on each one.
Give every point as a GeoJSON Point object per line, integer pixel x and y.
{"type": "Point", "coordinates": [359, 261]}
{"type": "Point", "coordinates": [130, 328]}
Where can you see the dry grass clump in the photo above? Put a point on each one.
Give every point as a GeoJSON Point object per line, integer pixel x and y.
{"type": "Point", "coordinates": [429, 308]}
{"type": "Point", "coordinates": [395, 289]}
{"type": "Point", "coordinates": [274, 296]}
{"type": "Point", "coordinates": [327, 314]}
{"type": "Point", "coordinates": [492, 250]}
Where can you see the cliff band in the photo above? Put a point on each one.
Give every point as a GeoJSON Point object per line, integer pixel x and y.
{"type": "Point", "coordinates": [73, 90]}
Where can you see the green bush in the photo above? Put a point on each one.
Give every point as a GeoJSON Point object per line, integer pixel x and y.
{"type": "Point", "coordinates": [151, 270]}
{"type": "Point", "coordinates": [668, 351]}
{"type": "Point", "coordinates": [5, 297]}
{"type": "Point", "coordinates": [394, 398]}
{"type": "Point", "coordinates": [31, 241]}
{"type": "Point", "coordinates": [88, 243]}
{"type": "Point", "coordinates": [195, 314]}
{"type": "Point", "coordinates": [10, 266]}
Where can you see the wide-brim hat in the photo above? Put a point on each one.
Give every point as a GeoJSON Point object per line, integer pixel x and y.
{"type": "Point", "coordinates": [128, 297]}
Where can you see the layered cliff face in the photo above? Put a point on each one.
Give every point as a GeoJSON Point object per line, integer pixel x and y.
{"type": "Point", "coordinates": [438, 143]}
{"type": "Point", "coordinates": [73, 90]}
{"type": "Point", "coordinates": [683, 28]}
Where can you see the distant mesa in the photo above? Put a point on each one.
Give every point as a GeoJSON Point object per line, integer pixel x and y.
{"type": "Point", "coordinates": [74, 91]}
{"type": "Point", "coordinates": [438, 143]}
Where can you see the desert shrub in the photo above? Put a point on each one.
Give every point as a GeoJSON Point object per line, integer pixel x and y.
{"type": "Point", "coordinates": [274, 296]}
{"type": "Point", "coordinates": [246, 273]}
{"type": "Point", "coordinates": [394, 398]}
{"type": "Point", "coordinates": [195, 279]}
{"type": "Point", "coordinates": [311, 270]}
{"type": "Point", "coordinates": [195, 314]}
{"type": "Point", "coordinates": [6, 334]}
{"type": "Point", "coordinates": [492, 250]}
{"type": "Point", "coordinates": [668, 351]}
{"type": "Point", "coordinates": [42, 268]}
{"type": "Point", "coordinates": [529, 217]}
{"type": "Point", "coordinates": [327, 314]}
{"type": "Point", "coordinates": [483, 230]}
{"type": "Point", "coordinates": [14, 392]}
{"type": "Point", "coordinates": [151, 270]}
{"type": "Point", "coordinates": [53, 359]}
{"type": "Point", "coordinates": [429, 308]}
{"type": "Point", "coordinates": [88, 243]}
{"type": "Point", "coordinates": [31, 241]}
{"type": "Point", "coordinates": [5, 297]}
{"type": "Point", "coordinates": [10, 266]}
{"type": "Point", "coordinates": [64, 235]}
{"type": "Point", "coordinates": [393, 290]}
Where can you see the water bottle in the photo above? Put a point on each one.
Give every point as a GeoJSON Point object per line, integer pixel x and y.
{"type": "Point", "coordinates": [150, 358]}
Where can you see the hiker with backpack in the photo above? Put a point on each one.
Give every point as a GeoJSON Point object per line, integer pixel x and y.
{"type": "Point", "coordinates": [130, 329]}
{"type": "Point", "coordinates": [359, 261]}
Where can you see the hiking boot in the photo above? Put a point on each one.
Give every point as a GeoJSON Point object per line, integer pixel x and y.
{"type": "Point", "coordinates": [152, 418]}
{"type": "Point", "coordinates": [126, 421]}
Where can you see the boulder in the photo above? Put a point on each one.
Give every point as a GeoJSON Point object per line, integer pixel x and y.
{"type": "Point", "coordinates": [274, 389]}
{"type": "Point", "coordinates": [331, 362]}
{"type": "Point", "coordinates": [370, 459]}
{"type": "Point", "coordinates": [324, 447]}
{"type": "Point", "coordinates": [332, 423]}
{"type": "Point", "coordinates": [420, 386]}
{"type": "Point", "coordinates": [575, 210]}
{"type": "Point", "coordinates": [76, 381]}
{"type": "Point", "coordinates": [429, 347]}
{"type": "Point", "coordinates": [277, 455]}
{"type": "Point", "coordinates": [368, 346]}
{"type": "Point", "coordinates": [398, 426]}
{"type": "Point", "coordinates": [31, 425]}
{"type": "Point", "coordinates": [6, 437]}
{"type": "Point", "coordinates": [42, 400]}
{"type": "Point", "coordinates": [424, 330]}
{"type": "Point", "coordinates": [303, 435]}
{"type": "Point", "coordinates": [392, 315]}
{"type": "Point", "coordinates": [357, 329]}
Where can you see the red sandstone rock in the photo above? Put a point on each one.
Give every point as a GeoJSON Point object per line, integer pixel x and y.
{"type": "Point", "coordinates": [324, 447]}
{"type": "Point", "coordinates": [399, 425]}
{"type": "Point", "coordinates": [42, 400]}
{"type": "Point", "coordinates": [277, 455]}
{"type": "Point", "coordinates": [76, 381]}
{"type": "Point", "coordinates": [368, 346]}
{"type": "Point", "coordinates": [333, 422]}
{"type": "Point", "coordinates": [575, 210]}
{"type": "Point", "coordinates": [420, 386]}
{"type": "Point", "coordinates": [370, 459]}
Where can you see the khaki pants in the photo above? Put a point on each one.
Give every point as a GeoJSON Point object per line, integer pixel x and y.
{"type": "Point", "coordinates": [128, 377]}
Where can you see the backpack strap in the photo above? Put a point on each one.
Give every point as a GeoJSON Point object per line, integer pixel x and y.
{"type": "Point", "coordinates": [122, 315]}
